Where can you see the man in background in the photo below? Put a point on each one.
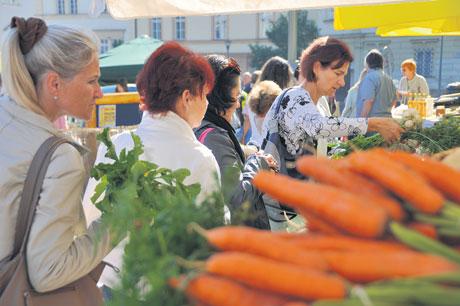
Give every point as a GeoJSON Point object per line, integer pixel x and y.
{"type": "Point", "coordinates": [246, 82]}
{"type": "Point", "coordinates": [376, 93]}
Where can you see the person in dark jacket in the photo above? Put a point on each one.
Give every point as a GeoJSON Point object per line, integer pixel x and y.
{"type": "Point", "coordinates": [218, 135]}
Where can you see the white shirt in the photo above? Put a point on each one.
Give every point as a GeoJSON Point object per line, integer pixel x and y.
{"type": "Point", "coordinates": [256, 126]}
{"type": "Point", "coordinates": [325, 111]}
{"type": "Point", "coordinates": [418, 84]}
{"type": "Point", "coordinates": [170, 143]}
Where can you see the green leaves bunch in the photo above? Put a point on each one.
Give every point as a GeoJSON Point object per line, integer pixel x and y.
{"type": "Point", "coordinates": [153, 207]}
{"type": "Point", "coordinates": [444, 135]}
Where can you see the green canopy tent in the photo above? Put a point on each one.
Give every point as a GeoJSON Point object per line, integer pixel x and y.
{"type": "Point", "coordinates": [126, 60]}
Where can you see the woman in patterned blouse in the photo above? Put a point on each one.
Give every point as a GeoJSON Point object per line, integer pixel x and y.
{"type": "Point", "coordinates": [323, 67]}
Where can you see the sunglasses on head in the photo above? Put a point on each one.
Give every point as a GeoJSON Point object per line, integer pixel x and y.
{"type": "Point", "coordinates": [232, 65]}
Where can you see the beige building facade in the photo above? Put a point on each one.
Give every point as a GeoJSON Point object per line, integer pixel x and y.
{"type": "Point", "coordinates": [232, 35]}
{"type": "Point", "coordinates": [224, 34]}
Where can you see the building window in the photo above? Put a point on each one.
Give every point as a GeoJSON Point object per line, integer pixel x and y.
{"type": "Point", "coordinates": [61, 7]}
{"type": "Point", "coordinates": [328, 14]}
{"type": "Point", "coordinates": [424, 59]}
{"type": "Point", "coordinates": [180, 28]}
{"type": "Point", "coordinates": [73, 7]}
{"type": "Point", "coordinates": [156, 28]}
{"type": "Point", "coordinates": [220, 27]}
{"type": "Point", "coordinates": [105, 45]}
{"type": "Point", "coordinates": [10, 2]}
{"type": "Point", "coordinates": [265, 23]}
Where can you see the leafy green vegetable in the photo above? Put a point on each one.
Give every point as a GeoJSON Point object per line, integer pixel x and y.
{"type": "Point", "coordinates": [444, 135]}
{"type": "Point", "coordinates": [359, 142]}
{"type": "Point", "coordinates": [422, 243]}
{"type": "Point", "coordinates": [153, 207]}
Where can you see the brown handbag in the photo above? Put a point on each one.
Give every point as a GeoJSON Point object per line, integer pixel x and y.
{"type": "Point", "coordinates": [15, 288]}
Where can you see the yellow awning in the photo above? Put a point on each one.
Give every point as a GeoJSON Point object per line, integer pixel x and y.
{"type": "Point", "coordinates": [436, 17]}
{"type": "Point", "coordinates": [437, 27]}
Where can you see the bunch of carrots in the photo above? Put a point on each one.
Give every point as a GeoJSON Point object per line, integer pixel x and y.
{"type": "Point", "coordinates": [373, 219]}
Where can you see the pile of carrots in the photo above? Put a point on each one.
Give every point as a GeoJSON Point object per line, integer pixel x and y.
{"type": "Point", "coordinates": [361, 194]}
{"type": "Point", "coordinates": [358, 249]}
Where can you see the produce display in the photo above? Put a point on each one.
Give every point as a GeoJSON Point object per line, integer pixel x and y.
{"type": "Point", "coordinates": [383, 229]}
{"type": "Point", "coordinates": [444, 135]}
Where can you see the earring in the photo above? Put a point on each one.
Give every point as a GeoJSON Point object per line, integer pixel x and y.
{"type": "Point", "coordinates": [55, 98]}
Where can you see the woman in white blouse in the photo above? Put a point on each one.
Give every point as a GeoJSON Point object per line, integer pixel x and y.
{"type": "Point", "coordinates": [323, 66]}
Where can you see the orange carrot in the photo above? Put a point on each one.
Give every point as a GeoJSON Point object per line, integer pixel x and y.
{"type": "Point", "coordinates": [361, 180]}
{"type": "Point", "coordinates": [373, 266]}
{"type": "Point", "coordinates": [373, 186]}
{"type": "Point", "coordinates": [175, 282]}
{"type": "Point", "coordinates": [444, 178]}
{"type": "Point", "coordinates": [330, 172]}
{"type": "Point", "coordinates": [342, 209]}
{"type": "Point", "coordinates": [263, 243]}
{"type": "Point", "coordinates": [392, 207]}
{"type": "Point", "coordinates": [282, 278]}
{"type": "Point", "coordinates": [428, 230]}
{"type": "Point", "coordinates": [322, 170]}
{"type": "Point", "coordinates": [218, 291]}
{"type": "Point", "coordinates": [320, 242]}
{"type": "Point", "coordinates": [402, 181]}
{"type": "Point", "coordinates": [317, 225]}
{"type": "Point", "coordinates": [295, 304]}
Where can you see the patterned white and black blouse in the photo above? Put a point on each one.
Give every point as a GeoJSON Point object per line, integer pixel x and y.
{"type": "Point", "coordinates": [300, 124]}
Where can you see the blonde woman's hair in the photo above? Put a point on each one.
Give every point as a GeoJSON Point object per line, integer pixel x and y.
{"type": "Point", "coordinates": [262, 96]}
{"type": "Point", "coordinates": [63, 50]}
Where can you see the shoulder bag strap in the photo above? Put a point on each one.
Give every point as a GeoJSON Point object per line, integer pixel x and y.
{"type": "Point", "coordinates": [31, 191]}
{"type": "Point", "coordinates": [204, 134]}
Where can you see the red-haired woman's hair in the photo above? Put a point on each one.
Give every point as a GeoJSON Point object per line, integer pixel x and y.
{"type": "Point", "coordinates": [326, 50]}
{"type": "Point", "coordinates": [409, 64]}
{"type": "Point", "coordinates": [169, 71]}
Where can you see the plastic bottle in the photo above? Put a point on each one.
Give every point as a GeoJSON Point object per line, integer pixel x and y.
{"type": "Point", "coordinates": [410, 100]}
{"type": "Point", "coordinates": [429, 106]}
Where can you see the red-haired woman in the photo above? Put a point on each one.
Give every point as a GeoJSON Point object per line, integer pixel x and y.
{"type": "Point", "coordinates": [296, 119]}
{"type": "Point", "coordinates": [174, 83]}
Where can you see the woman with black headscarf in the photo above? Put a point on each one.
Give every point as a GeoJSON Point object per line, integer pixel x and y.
{"type": "Point", "coordinates": [218, 135]}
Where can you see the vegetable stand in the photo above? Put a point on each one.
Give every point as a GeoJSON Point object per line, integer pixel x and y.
{"type": "Point", "coordinates": [388, 246]}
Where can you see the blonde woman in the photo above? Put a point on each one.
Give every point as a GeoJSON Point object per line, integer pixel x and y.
{"type": "Point", "coordinates": [48, 72]}
{"type": "Point", "coordinates": [260, 100]}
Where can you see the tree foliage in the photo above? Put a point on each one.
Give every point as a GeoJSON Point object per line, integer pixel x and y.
{"type": "Point", "coordinates": [117, 42]}
{"type": "Point", "coordinates": [307, 31]}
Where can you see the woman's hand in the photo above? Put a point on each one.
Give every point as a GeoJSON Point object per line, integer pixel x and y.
{"type": "Point", "coordinates": [249, 150]}
{"type": "Point", "coordinates": [271, 161]}
{"type": "Point", "coordinates": [387, 127]}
